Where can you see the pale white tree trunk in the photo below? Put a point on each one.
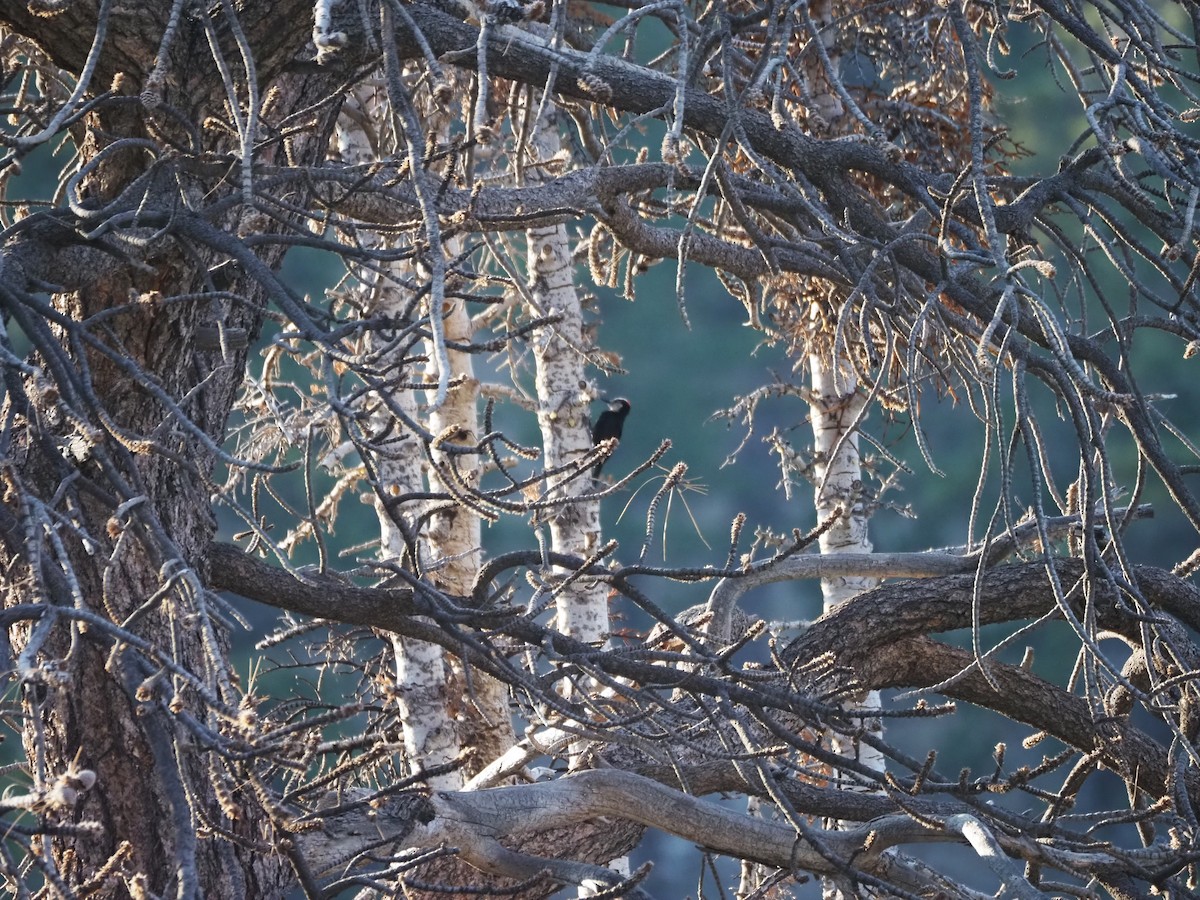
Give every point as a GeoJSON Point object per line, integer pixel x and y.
{"type": "Point", "coordinates": [837, 408]}
{"type": "Point", "coordinates": [582, 610]}
{"type": "Point", "coordinates": [454, 537]}
{"type": "Point", "coordinates": [430, 733]}
{"type": "Point", "coordinates": [485, 724]}
{"type": "Point", "coordinates": [836, 405]}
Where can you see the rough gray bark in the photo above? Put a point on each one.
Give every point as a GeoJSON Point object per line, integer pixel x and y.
{"type": "Point", "coordinates": [101, 436]}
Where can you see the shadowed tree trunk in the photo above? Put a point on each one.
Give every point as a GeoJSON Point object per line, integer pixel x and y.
{"type": "Point", "coordinates": [127, 362]}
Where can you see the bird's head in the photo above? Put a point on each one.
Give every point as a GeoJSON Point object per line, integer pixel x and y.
{"type": "Point", "coordinates": [618, 404]}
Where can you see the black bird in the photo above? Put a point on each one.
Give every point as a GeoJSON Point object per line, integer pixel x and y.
{"type": "Point", "coordinates": [609, 425]}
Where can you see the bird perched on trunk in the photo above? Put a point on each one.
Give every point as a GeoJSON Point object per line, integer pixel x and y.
{"type": "Point", "coordinates": [610, 425]}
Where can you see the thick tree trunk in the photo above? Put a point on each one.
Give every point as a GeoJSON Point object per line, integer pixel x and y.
{"type": "Point", "coordinates": [149, 773]}
{"type": "Point", "coordinates": [107, 510]}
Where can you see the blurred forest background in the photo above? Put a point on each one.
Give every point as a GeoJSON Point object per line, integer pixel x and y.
{"type": "Point", "coordinates": [681, 380]}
